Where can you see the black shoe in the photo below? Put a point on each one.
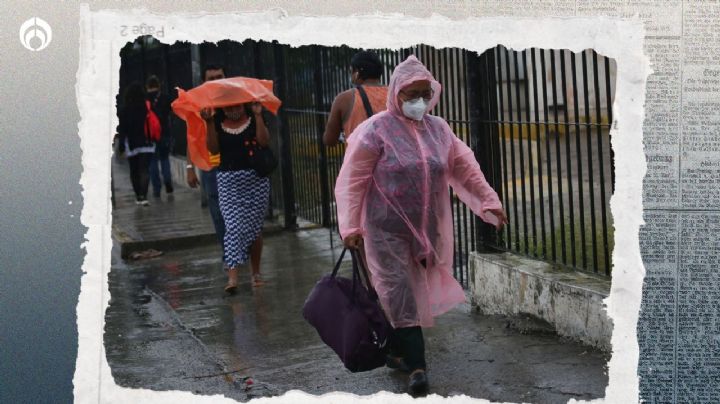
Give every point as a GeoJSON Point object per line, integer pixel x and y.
{"type": "Point", "coordinates": [156, 194]}
{"type": "Point", "coordinates": [169, 188]}
{"type": "Point", "coordinates": [393, 362]}
{"type": "Point", "coordinates": [418, 385]}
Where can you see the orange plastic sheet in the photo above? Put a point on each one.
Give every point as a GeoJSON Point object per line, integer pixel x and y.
{"type": "Point", "coordinates": [218, 94]}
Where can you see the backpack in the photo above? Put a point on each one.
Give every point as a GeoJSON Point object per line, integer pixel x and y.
{"type": "Point", "coordinates": [153, 129]}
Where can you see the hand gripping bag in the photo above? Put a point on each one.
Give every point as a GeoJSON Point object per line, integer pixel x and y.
{"type": "Point", "coordinates": [348, 318]}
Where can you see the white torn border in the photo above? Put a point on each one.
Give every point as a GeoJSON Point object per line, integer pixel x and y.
{"type": "Point", "coordinates": [97, 85]}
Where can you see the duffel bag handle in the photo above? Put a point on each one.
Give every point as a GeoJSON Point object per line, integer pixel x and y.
{"type": "Point", "coordinates": [339, 261]}
{"type": "Point", "coordinates": [359, 268]}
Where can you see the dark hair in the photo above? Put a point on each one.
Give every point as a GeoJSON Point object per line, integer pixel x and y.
{"type": "Point", "coordinates": [211, 66]}
{"type": "Point", "coordinates": [368, 65]}
{"type": "Point", "coordinates": [152, 82]}
{"type": "Point", "coordinates": [134, 95]}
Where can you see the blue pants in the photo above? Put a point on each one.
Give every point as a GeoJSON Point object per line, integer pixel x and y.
{"type": "Point", "coordinates": [208, 180]}
{"type": "Point", "coordinates": [161, 156]}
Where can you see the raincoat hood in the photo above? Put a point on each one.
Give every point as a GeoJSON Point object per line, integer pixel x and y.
{"type": "Point", "coordinates": [406, 73]}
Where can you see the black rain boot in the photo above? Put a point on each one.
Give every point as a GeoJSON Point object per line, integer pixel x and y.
{"type": "Point", "coordinates": [418, 385]}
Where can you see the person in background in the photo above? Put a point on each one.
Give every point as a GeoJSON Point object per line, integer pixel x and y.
{"type": "Point", "coordinates": [348, 110]}
{"type": "Point", "coordinates": [208, 179]}
{"type": "Point", "coordinates": [235, 132]}
{"type": "Point", "coordinates": [393, 200]}
{"type": "Point", "coordinates": [134, 142]}
{"type": "Point", "coordinates": [160, 103]}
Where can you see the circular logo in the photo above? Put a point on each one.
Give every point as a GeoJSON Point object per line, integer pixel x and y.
{"type": "Point", "coordinates": [35, 34]}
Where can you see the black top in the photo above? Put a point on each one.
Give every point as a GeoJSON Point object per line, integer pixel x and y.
{"type": "Point", "coordinates": [132, 126]}
{"type": "Point", "coordinates": [236, 150]}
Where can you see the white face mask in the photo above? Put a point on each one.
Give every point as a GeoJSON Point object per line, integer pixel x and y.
{"type": "Point", "coordinates": [415, 109]}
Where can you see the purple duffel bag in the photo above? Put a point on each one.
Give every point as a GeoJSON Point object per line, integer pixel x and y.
{"type": "Point", "coordinates": [348, 318]}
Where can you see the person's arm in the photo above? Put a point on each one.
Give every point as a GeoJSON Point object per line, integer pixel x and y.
{"type": "Point", "coordinates": [351, 186]}
{"type": "Point", "coordinates": [191, 176]}
{"type": "Point", "coordinates": [121, 132]}
{"type": "Point", "coordinates": [212, 136]}
{"type": "Point", "coordinates": [468, 182]}
{"type": "Point", "coordinates": [335, 120]}
{"type": "Point", "coordinates": [261, 131]}
{"type": "Point", "coordinates": [164, 115]}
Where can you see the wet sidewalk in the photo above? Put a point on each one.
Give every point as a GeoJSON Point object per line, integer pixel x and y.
{"type": "Point", "coordinates": [170, 326]}
{"type": "Point", "coordinates": [172, 221]}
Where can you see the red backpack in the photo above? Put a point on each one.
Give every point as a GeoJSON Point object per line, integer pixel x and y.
{"type": "Point", "coordinates": [153, 129]}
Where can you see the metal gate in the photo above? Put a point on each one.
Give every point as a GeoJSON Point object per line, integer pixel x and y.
{"type": "Point", "coordinates": [551, 158]}
{"type": "Point", "coordinates": [538, 121]}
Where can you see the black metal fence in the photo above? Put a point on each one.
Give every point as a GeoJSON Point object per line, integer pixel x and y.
{"type": "Point", "coordinates": [552, 162]}
{"type": "Point", "coordinates": [538, 121]}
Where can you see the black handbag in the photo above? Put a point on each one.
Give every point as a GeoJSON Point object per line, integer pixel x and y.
{"type": "Point", "coordinates": [264, 161]}
{"type": "Point", "coordinates": [348, 318]}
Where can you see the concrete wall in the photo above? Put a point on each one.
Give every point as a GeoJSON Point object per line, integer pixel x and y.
{"type": "Point", "coordinates": [572, 302]}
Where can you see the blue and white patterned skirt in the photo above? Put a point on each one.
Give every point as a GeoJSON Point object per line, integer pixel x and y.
{"type": "Point", "coordinates": [244, 198]}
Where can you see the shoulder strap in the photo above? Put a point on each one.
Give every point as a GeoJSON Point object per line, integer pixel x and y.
{"type": "Point", "coordinates": [365, 100]}
{"type": "Point", "coordinates": [147, 120]}
{"type": "Point", "coordinates": [155, 100]}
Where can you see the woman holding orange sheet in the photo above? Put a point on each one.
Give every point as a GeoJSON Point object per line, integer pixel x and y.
{"type": "Point", "coordinates": [235, 132]}
{"type": "Point", "coordinates": [226, 116]}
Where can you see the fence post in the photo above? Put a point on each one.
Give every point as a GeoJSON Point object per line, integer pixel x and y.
{"type": "Point", "coordinates": [280, 84]}
{"type": "Point", "coordinates": [320, 128]}
{"type": "Point", "coordinates": [481, 133]}
{"type": "Point", "coordinates": [195, 65]}
{"type": "Point", "coordinates": [257, 60]}
{"type": "Point", "coordinates": [258, 73]}
{"type": "Point", "coordinates": [143, 41]}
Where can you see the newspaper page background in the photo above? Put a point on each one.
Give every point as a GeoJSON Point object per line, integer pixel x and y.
{"type": "Point", "coordinates": [678, 334]}
{"type": "Point", "coordinates": [679, 323]}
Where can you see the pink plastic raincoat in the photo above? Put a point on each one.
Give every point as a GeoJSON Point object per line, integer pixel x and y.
{"type": "Point", "coordinates": [393, 190]}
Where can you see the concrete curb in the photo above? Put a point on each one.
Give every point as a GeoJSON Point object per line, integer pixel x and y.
{"type": "Point", "coordinates": [128, 245]}
{"type": "Point", "coordinates": [572, 302]}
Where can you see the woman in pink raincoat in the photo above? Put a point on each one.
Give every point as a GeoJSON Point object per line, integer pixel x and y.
{"type": "Point", "coordinates": [392, 198]}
